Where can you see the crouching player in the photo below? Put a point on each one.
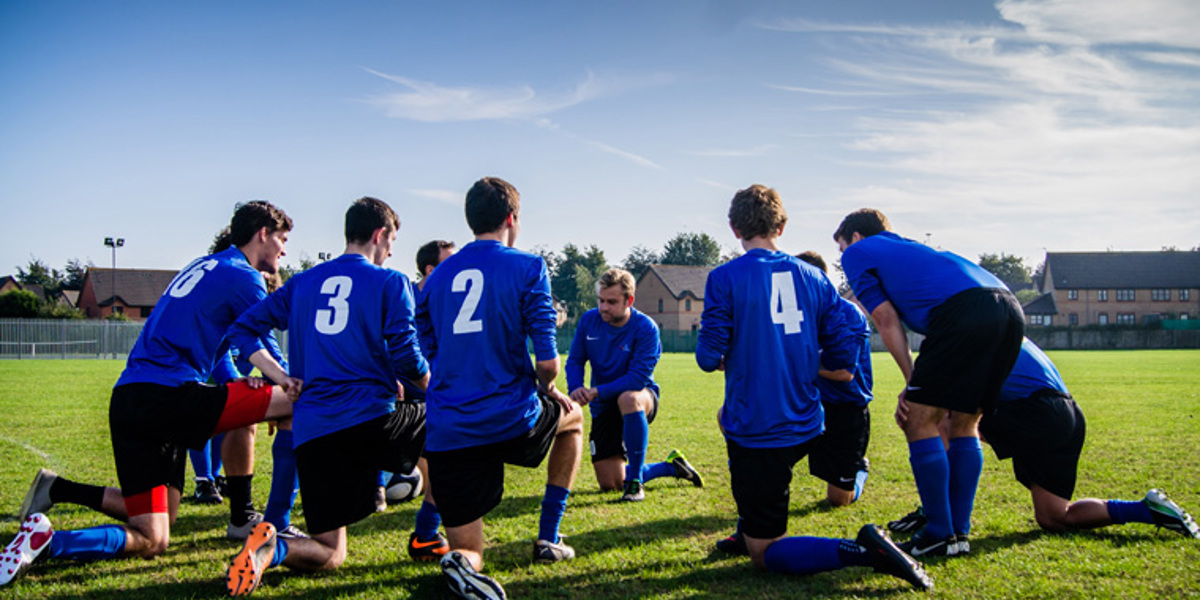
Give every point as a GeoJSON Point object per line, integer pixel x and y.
{"type": "Point", "coordinates": [161, 405]}
{"type": "Point", "coordinates": [351, 334]}
{"type": "Point", "coordinates": [767, 317]}
{"type": "Point", "coordinates": [1039, 426]}
{"type": "Point", "coordinates": [623, 346]}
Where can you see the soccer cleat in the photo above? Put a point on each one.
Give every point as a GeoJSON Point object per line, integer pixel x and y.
{"type": "Point", "coordinates": [684, 469]}
{"type": "Point", "coordinates": [291, 532]}
{"type": "Point", "coordinates": [919, 545]}
{"type": "Point", "coordinates": [1169, 515]}
{"type": "Point", "coordinates": [734, 544]}
{"type": "Point", "coordinates": [964, 544]}
{"type": "Point", "coordinates": [468, 583]}
{"type": "Point", "coordinates": [549, 552]}
{"type": "Point", "coordinates": [380, 499]}
{"type": "Point", "coordinates": [633, 492]}
{"type": "Point", "coordinates": [33, 537]}
{"type": "Point", "coordinates": [886, 557]}
{"type": "Point", "coordinates": [428, 551]}
{"type": "Point", "coordinates": [246, 571]}
{"type": "Point", "coordinates": [909, 523]}
{"type": "Point", "coordinates": [206, 492]}
{"type": "Point", "coordinates": [37, 499]}
{"type": "Point", "coordinates": [222, 485]}
{"type": "Point", "coordinates": [240, 532]}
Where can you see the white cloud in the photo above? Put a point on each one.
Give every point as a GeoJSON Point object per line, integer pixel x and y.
{"type": "Point", "coordinates": [431, 102]}
{"type": "Point", "coordinates": [735, 153]}
{"type": "Point", "coordinates": [1166, 22]}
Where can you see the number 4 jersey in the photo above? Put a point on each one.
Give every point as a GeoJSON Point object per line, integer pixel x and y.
{"type": "Point", "coordinates": [185, 334]}
{"type": "Point", "coordinates": [477, 311]}
{"type": "Point", "coordinates": [350, 335]}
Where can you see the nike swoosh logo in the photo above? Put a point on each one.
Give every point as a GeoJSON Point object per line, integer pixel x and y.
{"type": "Point", "coordinates": [913, 388]}
{"type": "Point", "coordinates": [419, 544]}
{"type": "Point", "coordinates": [845, 479]}
{"type": "Point", "coordinates": [592, 339]}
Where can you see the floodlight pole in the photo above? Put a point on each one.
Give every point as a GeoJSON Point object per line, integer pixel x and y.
{"type": "Point", "coordinates": [113, 243]}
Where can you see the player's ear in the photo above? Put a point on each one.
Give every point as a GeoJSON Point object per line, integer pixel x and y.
{"type": "Point", "coordinates": [628, 301]}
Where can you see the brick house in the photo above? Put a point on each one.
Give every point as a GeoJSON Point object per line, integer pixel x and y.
{"type": "Point", "coordinates": [132, 292]}
{"type": "Point", "coordinates": [1117, 288]}
{"type": "Point", "coordinates": [672, 295]}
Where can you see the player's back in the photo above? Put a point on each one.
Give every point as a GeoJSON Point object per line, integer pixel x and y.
{"type": "Point", "coordinates": [185, 335]}
{"type": "Point", "coordinates": [1033, 371]}
{"type": "Point", "coordinates": [479, 307]}
{"type": "Point", "coordinates": [857, 391]}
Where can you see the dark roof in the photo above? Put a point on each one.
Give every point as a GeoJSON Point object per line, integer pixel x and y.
{"type": "Point", "coordinates": [1042, 305]}
{"type": "Point", "coordinates": [681, 279]}
{"type": "Point", "coordinates": [1110, 270]}
{"type": "Point", "coordinates": [135, 287]}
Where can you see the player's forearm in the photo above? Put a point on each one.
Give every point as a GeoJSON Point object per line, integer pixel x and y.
{"type": "Point", "coordinates": [547, 373]}
{"type": "Point", "coordinates": [268, 366]}
{"type": "Point", "coordinates": [892, 332]}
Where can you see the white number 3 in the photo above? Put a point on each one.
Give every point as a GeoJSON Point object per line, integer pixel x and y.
{"type": "Point", "coordinates": [785, 310]}
{"type": "Point", "coordinates": [333, 320]}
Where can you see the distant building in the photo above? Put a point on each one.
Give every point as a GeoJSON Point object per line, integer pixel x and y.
{"type": "Point", "coordinates": [1117, 288]}
{"type": "Point", "coordinates": [672, 295]}
{"type": "Point", "coordinates": [132, 292]}
{"type": "Point", "coordinates": [9, 283]}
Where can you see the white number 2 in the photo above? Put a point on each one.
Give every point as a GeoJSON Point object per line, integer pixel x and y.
{"type": "Point", "coordinates": [464, 323]}
{"type": "Point", "coordinates": [333, 320]}
{"type": "Point", "coordinates": [785, 310]}
{"type": "Point", "coordinates": [183, 285]}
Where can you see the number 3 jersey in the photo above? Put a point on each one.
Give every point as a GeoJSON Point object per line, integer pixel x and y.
{"type": "Point", "coordinates": [350, 335]}
{"type": "Point", "coordinates": [478, 308]}
{"type": "Point", "coordinates": [768, 315]}
{"type": "Point", "coordinates": [185, 335]}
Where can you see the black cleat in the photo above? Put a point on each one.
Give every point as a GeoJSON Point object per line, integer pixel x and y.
{"type": "Point", "coordinates": [886, 557]}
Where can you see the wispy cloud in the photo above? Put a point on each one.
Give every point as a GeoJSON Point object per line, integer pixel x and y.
{"type": "Point", "coordinates": [430, 102]}
{"type": "Point", "coordinates": [446, 196]}
{"type": "Point", "coordinates": [735, 153]}
{"type": "Point", "coordinates": [636, 159]}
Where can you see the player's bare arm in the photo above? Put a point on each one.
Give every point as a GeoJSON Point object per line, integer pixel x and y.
{"type": "Point", "coordinates": [274, 371]}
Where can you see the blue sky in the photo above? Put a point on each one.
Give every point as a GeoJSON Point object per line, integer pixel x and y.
{"type": "Point", "coordinates": [1016, 126]}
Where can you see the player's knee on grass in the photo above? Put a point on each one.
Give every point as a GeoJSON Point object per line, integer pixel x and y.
{"type": "Point", "coordinates": [839, 497]}
{"type": "Point", "coordinates": [610, 473]}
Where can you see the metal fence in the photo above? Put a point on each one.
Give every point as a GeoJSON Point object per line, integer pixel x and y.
{"type": "Point", "coordinates": [64, 338]}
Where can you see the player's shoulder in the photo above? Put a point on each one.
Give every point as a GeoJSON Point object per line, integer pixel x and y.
{"type": "Point", "coordinates": [641, 320]}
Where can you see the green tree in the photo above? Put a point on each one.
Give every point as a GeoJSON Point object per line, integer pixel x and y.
{"type": "Point", "coordinates": [696, 249]}
{"type": "Point", "coordinates": [39, 273]}
{"type": "Point", "coordinates": [639, 259]}
{"type": "Point", "coordinates": [575, 276]}
{"type": "Point", "coordinates": [75, 272]}
{"type": "Point", "coordinates": [1008, 268]}
{"type": "Point", "coordinates": [19, 304]}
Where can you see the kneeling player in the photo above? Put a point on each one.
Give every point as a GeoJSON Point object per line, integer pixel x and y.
{"type": "Point", "coordinates": [623, 346]}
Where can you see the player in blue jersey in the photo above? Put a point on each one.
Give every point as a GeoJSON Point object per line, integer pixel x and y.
{"type": "Point", "coordinates": [161, 404]}
{"type": "Point", "coordinates": [973, 328]}
{"type": "Point", "coordinates": [488, 405]}
{"type": "Point", "coordinates": [770, 321]}
{"type": "Point", "coordinates": [1038, 424]}
{"type": "Point", "coordinates": [840, 457]}
{"type": "Point", "coordinates": [351, 334]}
{"type": "Point", "coordinates": [623, 347]}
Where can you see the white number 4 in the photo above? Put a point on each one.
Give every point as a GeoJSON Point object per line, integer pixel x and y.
{"type": "Point", "coordinates": [785, 310]}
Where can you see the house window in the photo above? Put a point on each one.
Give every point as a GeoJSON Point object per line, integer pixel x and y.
{"type": "Point", "coordinates": [1072, 294]}
{"type": "Point", "coordinates": [1160, 295]}
{"type": "Point", "coordinates": [1102, 318]}
{"type": "Point", "coordinates": [687, 305]}
{"type": "Point", "coordinates": [660, 305]}
{"type": "Point", "coordinates": [1185, 295]}
{"type": "Point", "coordinates": [1126, 296]}
{"type": "Point", "coordinates": [1073, 319]}
{"type": "Point", "coordinates": [1184, 316]}
{"type": "Point", "coordinates": [1102, 295]}
{"type": "Point", "coordinates": [1040, 319]}
{"type": "Point", "coordinates": [1126, 318]}
{"type": "Point", "coordinates": [120, 310]}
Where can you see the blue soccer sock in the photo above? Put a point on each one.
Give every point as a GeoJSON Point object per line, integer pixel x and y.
{"type": "Point", "coordinates": [1128, 511]}
{"type": "Point", "coordinates": [860, 483]}
{"type": "Point", "coordinates": [214, 455]}
{"type": "Point", "coordinates": [281, 550]}
{"type": "Point", "coordinates": [804, 555]}
{"type": "Point", "coordinates": [636, 434]}
{"type": "Point", "coordinates": [428, 521]}
{"type": "Point", "coordinates": [656, 470]}
{"type": "Point", "coordinates": [384, 478]}
{"type": "Point", "coordinates": [554, 506]}
{"type": "Point", "coordinates": [200, 462]}
{"type": "Point", "coordinates": [931, 470]}
{"type": "Point", "coordinates": [94, 543]}
{"type": "Point", "coordinates": [285, 481]}
{"type": "Point", "coordinates": [966, 464]}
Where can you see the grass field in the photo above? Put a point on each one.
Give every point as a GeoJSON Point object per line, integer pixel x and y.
{"type": "Point", "coordinates": [1143, 415]}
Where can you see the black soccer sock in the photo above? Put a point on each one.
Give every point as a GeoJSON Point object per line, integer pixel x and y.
{"type": "Point", "coordinates": [64, 490]}
{"type": "Point", "coordinates": [241, 506]}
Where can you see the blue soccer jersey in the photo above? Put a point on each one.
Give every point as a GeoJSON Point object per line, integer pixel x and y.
{"type": "Point", "coordinates": [768, 316]}
{"type": "Point", "coordinates": [857, 391]}
{"type": "Point", "coordinates": [622, 358]}
{"type": "Point", "coordinates": [479, 308]}
{"type": "Point", "coordinates": [184, 338]}
{"type": "Point", "coordinates": [350, 335]}
{"type": "Point", "coordinates": [1033, 372]}
{"type": "Point", "coordinates": [914, 277]}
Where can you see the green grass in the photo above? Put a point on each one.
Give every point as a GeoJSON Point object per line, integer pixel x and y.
{"type": "Point", "coordinates": [1144, 430]}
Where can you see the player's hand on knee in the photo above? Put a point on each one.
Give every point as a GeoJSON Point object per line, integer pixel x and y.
{"type": "Point", "coordinates": [292, 387]}
{"type": "Point", "coordinates": [902, 410]}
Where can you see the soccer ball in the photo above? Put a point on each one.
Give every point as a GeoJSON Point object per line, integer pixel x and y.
{"type": "Point", "coordinates": [403, 487]}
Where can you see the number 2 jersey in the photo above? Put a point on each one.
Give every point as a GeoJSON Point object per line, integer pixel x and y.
{"type": "Point", "coordinates": [478, 308]}
{"type": "Point", "coordinates": [769, 316]}
{"type": "Point", "coordinates": [184, 338]}
{"type": "Point", "coordinates": [350, 335]}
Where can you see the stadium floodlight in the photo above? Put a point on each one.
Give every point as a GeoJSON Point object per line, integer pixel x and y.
{"type": "Point", "coordinates": [114, 243]}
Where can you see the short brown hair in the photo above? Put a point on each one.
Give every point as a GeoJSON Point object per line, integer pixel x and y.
{"type": "Point", "coordinates": [865, 222]}
{"type": "Point", "coordinates": [366, 215]}
{"type": "Point", "coordinates": [427, 255]}
{"type": "Point", "coordinates": [813, 258]}
{"type": "Point", "coordinates": [489, 202]}
{"type": "Point", "coordinates": [757, 211]}
{"type": "Point", "coordinates": [619, 277]}
{"type": "Point", "coordinates": [251, 216]}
